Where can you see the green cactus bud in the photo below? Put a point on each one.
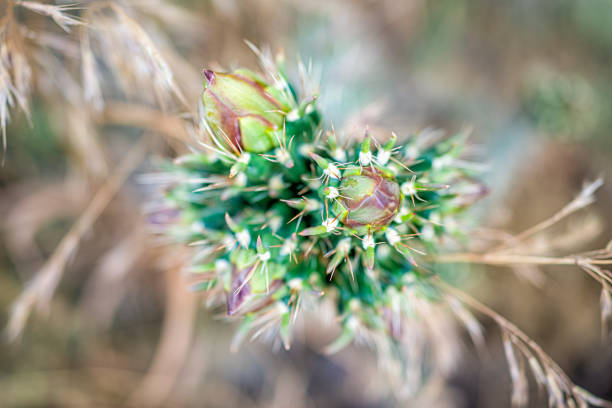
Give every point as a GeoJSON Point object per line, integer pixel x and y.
{"type": "Point", "coordinates": [370, 196]}
{"type": "Point", "coordinates": [243, 112]}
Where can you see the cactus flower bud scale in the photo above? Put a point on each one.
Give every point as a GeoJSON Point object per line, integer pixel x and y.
{"type": "Point", "coordinates": [242, 112]}
{"type": "Point", "coordinates": [371, 197]}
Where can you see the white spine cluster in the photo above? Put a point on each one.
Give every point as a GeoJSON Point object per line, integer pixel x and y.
{"type": "Point", "coordinates": [393, 237]}
{"type": "Point", "coordinates": [330, 224]}
{"type": "Point", "coordinates": [368, 242]}
{"type": "Point", "coordinates": [244, 238]}
{"type": "Point", "coordinates": [244, 158]}
{"type": "Point", "coordinates": [289, 246]}
{"type": "Point", "coordinates": [332, 171]}
{"type": "Point", "coordinates": [331, 193]}
{"type": "Point", "coordinates": [365, 158]}
{"type": "Point", "coordinates": [383, 156]}
{"type": "Point", "coordinates": [408, 188]}
{"type": "Point", "coordinates": [264, 257]}
{"type": "Point", "coordinates": [276, 183]}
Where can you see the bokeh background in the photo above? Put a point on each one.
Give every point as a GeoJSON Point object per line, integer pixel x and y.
{"type": "Point", "coordinates": [531, 78]}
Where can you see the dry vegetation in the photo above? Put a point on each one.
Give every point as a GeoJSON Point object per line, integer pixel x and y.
{"type": "Point", "coordinates": [117, 83]}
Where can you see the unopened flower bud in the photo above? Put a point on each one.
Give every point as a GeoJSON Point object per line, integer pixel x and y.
{"type": "Point", "coordinates": [243, 111]}
{"type": "Point", "coordinates": [370, 197]}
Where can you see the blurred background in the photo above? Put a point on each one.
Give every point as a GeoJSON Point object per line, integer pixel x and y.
{"type": "Point", "coordinates": [121, 329]}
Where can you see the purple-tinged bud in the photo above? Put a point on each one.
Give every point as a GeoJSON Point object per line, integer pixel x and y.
{"type": "Point", "coordinates": [370, 196]}
{"type": "Point", "coordinates": [243, 111]}
{"type": "Point", "coordinates": [239, 291]}
{"type": "Point", "coordinates": [246, 289]}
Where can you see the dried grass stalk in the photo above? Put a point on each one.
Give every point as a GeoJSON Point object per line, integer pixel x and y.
{"type": "Point", "coordinates": [174, 345]}
{"type": "Point", "coordinates": [606, 311]}
{"type": "Point", "coordinates": [583, 199]}
{"type": "Point", "coordinates": [520, 386]}
{"type": "Point", "coordinates": [468, 320]}
{"type": "Point", "coordinates": [562, 392]}
{"type": "Point", "coordinates": [40, 289]}
{"type": "Point", "coordinates": [57, 13]}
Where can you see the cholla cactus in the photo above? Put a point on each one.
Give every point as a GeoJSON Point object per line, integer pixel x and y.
{"type": "Point", "coordinates": [283, 211]}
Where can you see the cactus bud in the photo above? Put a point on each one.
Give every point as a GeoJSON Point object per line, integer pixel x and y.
{"type": "Point", "coordinates": [370, 196]}
{"type": "Point", "coordinates": [239, 290]}
{"type": "Point", "coordinates": [243, 112]}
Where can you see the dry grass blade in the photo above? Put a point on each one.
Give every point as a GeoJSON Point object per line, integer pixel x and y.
{"type": "Point", "coordinates": [40, 289]}
{"type": "Point", "coordinates": [579, 231]}
{"type": "Point", "coordinates": [591, 265]}
{"type": "Point", "coordinates": [606, 311]}
{"type": "Point", "coordinates": [15, 74]}
{"type": "Point", "coordinates": [91, 84]}
{"type": "Point", "coordinates": [561, 390]}
{"type": "Point", "coordinates": [173, 346]}
{"type": "Point", "coordinates": [109, 282]}
{"type": "Point", "coordinates": [25, 217]}
{"type": "Point", "coordinates": [583, 199]}
{"type": "Point", "coordinates": [517, 259]}
{"type": "Point", "coordinates": [469, 321]}
{"type": "Point", "coordinates": [7, 92]}
{"type": "Point", "coordinates": [520, 385]}
{"type": "Point", "coordinates": [555, 394]}
{"type": "Point", "coordinates": [177, 17]}
{"type": "Point", "coordinates": [536, 370]}
{"type": "Point", "coordinates": [57, 13]}
{"type": "Point", "coordinates": [86, 143]}
{"type": "Point", "coordinates": [531, 274]}
{"type": "Point", "coordinates": [163, 73]}
{"type": "Point", "coordinates": [604, 277]}
{"type": "Point", "coordinates": [588, 262]}
{"type": "Point", "coordinates": [146, 118]}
